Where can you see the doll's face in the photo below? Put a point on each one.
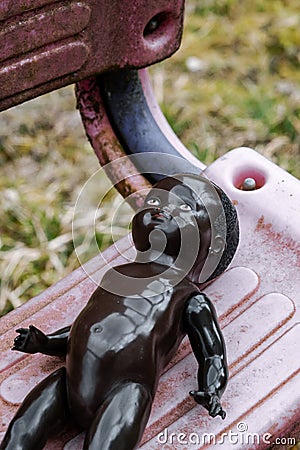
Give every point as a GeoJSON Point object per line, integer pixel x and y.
{"type": "Point", "coordinates": [172, 213]}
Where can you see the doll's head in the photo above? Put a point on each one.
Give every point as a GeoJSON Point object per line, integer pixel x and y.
{"type": "Point", "coordinates": [189, 222]}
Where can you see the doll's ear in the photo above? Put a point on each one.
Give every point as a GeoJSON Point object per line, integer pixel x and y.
{"type": "Point", "coordinates": [214, 256]}
{"type": "Point", "coordinates": [218, 246]}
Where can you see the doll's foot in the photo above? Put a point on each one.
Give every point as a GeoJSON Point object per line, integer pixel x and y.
{"type": "Point", "coordinates": [29, 340]}
{"type": "Point", "coordinates": [210, 401]}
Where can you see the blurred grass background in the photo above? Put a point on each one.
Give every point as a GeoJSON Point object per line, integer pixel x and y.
{"type": "Point", "coordinates": [235, 81]}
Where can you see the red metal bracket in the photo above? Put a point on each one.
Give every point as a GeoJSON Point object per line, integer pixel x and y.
{"type": "Point", "coordinates": [47, 44]}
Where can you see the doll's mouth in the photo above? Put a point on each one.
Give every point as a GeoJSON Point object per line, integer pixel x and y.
{"type": "Point", "coordinates": [160, 214]}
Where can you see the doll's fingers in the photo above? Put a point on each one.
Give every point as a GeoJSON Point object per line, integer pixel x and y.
{"type": "Point", "coordinates": [215, 408]}
{"type": "Point", "coordinates": [34, 330]}
{"type": "Point", "coordinates": [22, 330]}
{"type": "Point", "coordinates": [19, 342]}
{"type": "Point", "coordinates": [219, 412]}
{"type": "Point", "coordinates": [222, 413]}
{"type": "Point", "coordinates": [38, 334]}
{"type": "Point", "coordinates": [20, 338]}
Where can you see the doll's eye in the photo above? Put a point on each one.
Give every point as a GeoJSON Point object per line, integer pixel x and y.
{"type": "Point", "coordinates": [153, 202]}
{"type": "Point", "coordinates": [185, 207]}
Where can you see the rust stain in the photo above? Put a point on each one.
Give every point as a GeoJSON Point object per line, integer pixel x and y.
{"type": "Point", "coordinates": [288, 425]}
{"type": "Point", "coordinates": [124, 175]}
{"type": "Point", "coordinates": [279, 239]}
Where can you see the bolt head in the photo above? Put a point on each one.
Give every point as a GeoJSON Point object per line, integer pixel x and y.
{"type": "Point", "coordinates": [249, 184]}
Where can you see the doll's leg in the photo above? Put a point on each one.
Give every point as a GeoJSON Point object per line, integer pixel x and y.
{"type": "Point", "coordinates": [42, 412]}
{"type": "Point", "coordinates": [121, 420]}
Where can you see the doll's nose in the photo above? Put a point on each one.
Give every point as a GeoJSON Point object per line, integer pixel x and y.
{"type": "Point", "coordinates": [161, 211]}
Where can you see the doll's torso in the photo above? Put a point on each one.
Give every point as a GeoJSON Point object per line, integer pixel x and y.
{"type": "Point", "coordinates": [116, 339]}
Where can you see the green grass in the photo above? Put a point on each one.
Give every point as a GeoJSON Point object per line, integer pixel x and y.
{"type": "Point", "coordinates": [235, 81]}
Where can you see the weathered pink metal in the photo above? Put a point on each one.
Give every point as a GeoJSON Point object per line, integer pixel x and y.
{"type": "Point", "coordinates": [258, 305]}
{"type": "Point", "coordinates": [47, 44]}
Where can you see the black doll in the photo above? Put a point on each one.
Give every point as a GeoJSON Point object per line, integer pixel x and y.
{"type": "Point", "coordinates": [185, 234]}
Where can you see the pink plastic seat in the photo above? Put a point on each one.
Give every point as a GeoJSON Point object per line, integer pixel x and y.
{"type": "Point", "coordinates": [257, 301]}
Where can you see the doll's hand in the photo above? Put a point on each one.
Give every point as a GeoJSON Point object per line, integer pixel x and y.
{"type": "Point", "coordinates": [210, 401]}
{"type": "Point", "coordinates": [29, 340]}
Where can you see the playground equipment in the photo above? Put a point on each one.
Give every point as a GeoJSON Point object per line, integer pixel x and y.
{"type": "Point", "coordinates": [257, 299]}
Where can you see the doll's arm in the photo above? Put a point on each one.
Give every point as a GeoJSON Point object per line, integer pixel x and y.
{"type": "Point", "coordinates": [33, 340]}
{"type": "Point", "coordinates": [208, 346]}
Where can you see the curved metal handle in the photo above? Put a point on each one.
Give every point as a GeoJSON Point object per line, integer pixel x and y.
{"type": "Point", "coordinates": [121, 117]}
{"type": "Point", "coordinates": [136, 127]}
